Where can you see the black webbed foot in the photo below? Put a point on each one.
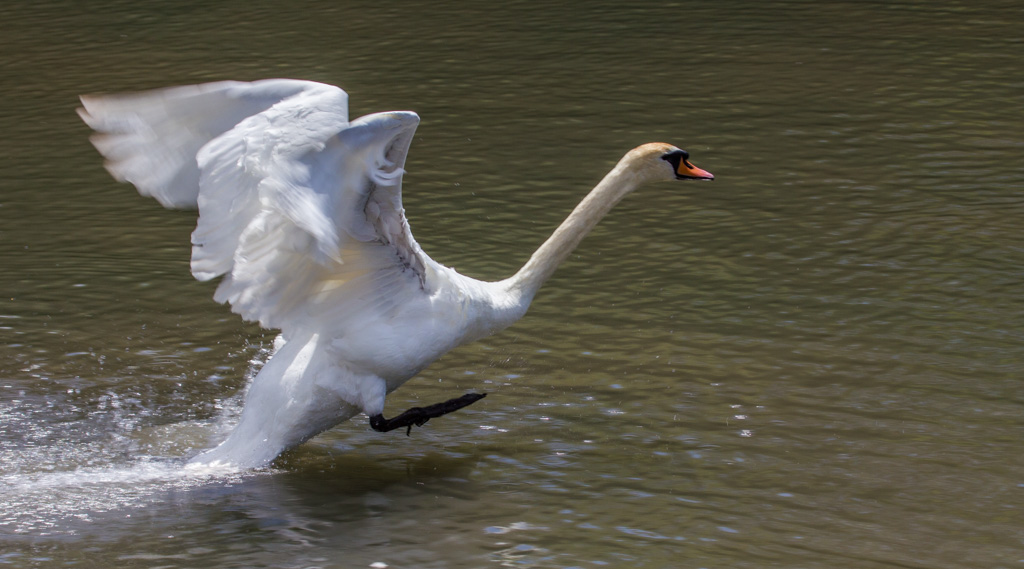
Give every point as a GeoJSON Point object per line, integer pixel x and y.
{"type": "Point", "coordinates": [420, 415]}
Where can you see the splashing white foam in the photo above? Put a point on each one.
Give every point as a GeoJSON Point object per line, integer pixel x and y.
{"type": "Point", "coordinates": [59, 469]}
{"type": "Point", "coordinates": [43, 503]}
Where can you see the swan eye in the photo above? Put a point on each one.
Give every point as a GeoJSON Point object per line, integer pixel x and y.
{"type": "Point", "coordinates": [680, 161]}
{"type": "Point", "coordinates": [677, 158]}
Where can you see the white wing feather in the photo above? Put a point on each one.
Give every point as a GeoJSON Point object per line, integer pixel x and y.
{"type": "Point", "coordinates": [299, 209]}
{"type": "Point", "coordinates": [151, 138]}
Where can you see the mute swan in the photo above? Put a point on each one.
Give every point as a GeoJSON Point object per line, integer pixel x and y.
{"type": "Point", "coordinates": [300, 212]}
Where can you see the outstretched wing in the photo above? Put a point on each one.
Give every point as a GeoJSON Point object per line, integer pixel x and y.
{"type": "Point", "coordinates": [151, 138]}
{"type": "Point", "coordinates": [299, 209]}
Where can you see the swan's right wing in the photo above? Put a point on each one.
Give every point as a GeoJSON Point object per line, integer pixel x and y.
{"type": "Point", "coordinates": [151, 139]}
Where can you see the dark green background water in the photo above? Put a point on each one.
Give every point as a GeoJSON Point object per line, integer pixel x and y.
{"type": "Point", "coordinates": [814, 361]}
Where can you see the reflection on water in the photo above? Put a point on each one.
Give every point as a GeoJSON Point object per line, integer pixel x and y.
{"type": "Point", "coordinates": [811, 362]}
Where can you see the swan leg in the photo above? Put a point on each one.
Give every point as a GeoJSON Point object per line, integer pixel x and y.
{"type": "Point", "coordinates": [420, 415]}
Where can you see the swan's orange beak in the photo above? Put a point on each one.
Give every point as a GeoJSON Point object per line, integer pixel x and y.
{"type": "Point", "coordinates": [688, 171]}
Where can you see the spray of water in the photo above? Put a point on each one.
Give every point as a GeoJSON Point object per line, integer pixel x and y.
{"type": "Point", "coordinates": [62, 464]}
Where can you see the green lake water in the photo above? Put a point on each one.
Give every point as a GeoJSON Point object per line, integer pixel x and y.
{"type": "Point", "coordinates": [813, 361]}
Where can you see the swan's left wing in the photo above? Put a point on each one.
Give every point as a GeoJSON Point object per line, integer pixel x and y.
{"type": "Point", "coordinates": [307, 228]}
{"type": "Point", "coordinates": [299, 209]}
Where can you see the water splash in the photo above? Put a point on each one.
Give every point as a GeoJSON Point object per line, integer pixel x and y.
{"type": "Point", "coordinates": [49, 503]}
{"type": "Point", "coordinates": [55, 476]}
{"type": "Point", "coordinates": [65, 462]}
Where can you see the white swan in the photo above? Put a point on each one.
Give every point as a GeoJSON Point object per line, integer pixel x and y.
{"type": "Point", "coordinates": [300, 211]}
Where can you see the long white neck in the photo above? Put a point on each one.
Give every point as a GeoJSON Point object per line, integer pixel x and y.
{"type": "Point", "coordinates": [542, 264]}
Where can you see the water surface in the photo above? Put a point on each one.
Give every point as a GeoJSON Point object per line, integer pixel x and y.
{"type": "Point", "coordinates": [813, 361]}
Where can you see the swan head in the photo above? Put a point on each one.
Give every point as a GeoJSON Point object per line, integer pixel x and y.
{"type": "Point", "coordinates": [660, 161]}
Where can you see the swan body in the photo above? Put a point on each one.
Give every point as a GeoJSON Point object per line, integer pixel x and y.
{"type": "Point", "coordinates": [300, 213]}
